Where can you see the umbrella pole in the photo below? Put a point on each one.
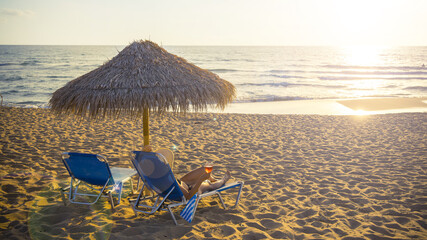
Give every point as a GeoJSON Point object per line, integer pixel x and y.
{"type": "Point", "coordinates": [146, 130]}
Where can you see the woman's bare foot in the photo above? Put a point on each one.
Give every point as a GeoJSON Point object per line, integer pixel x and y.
{"type": "Point", "coordinates": [227, 176]}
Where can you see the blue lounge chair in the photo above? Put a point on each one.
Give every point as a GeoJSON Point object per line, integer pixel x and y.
{"type": "Point", "coordinates": [158, 177]}
{"type": "Point", "coordinates": [94, 171]}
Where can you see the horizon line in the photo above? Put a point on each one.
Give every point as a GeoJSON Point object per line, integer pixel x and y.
{"type": "Point", "coordinates": [220, 45]}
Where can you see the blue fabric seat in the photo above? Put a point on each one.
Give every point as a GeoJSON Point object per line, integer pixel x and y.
{"type": "Point", "coordinates": [157, 176]}
{"type": "Point", "coordinates": [93, 171]}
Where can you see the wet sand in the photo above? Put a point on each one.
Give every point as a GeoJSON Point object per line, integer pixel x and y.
{"type": "Point", "coordinates": [306, 176]}
{"type": "Point", "coordinates": [381, 104]}
{"type": "Point", "coordinates": [364, 106]}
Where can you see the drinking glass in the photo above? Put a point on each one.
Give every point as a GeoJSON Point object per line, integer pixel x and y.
{"type": "Point", "coordinates": [208, 167]}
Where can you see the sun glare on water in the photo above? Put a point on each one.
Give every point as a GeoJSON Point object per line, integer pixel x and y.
{"type": "Point", "coordinates": [362, 64]}
{"type": "Point", "coordinates": [363, 56]}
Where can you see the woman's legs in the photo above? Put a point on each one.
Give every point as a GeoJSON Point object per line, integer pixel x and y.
{"type": "Point", "coordinates": [206, 186]}
{"type": "Point", "coordinates": [191, 177]}
{"type": "Point", "coordinates": [196, 179]}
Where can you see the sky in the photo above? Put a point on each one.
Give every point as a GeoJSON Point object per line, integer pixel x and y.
{"type": "Point", "coordinates": [214, 22]}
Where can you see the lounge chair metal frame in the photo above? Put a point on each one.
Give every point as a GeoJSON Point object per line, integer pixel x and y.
{"type": "Point", "coordinates": [106, 191]}
{"type": "Point", "coordinates": [161, 201]}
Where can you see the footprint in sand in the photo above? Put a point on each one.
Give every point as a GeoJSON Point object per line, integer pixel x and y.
{"type": "Point", "coordinates": [9, 188]}
{"type": "Point", "coordinates": [267, 215]}
{"type": "Point", "coordinates": [353, 224]}
{"type": "Point", "coordinates": [306, 214]}
{"type": "Point", "coordinates": [270, 224]}
{"type": "Point", "coordinates": [226, 230]}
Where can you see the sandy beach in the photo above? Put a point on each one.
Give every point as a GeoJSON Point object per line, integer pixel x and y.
{"type": "Point", "coordinates": [306, 176]}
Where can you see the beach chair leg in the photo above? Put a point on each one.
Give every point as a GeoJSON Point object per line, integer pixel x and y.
{"type": "Point", "coordinates": [137, 185]}
{"type": "Point", "coordinates": [110, 198]}
{"type": "Point", "coordinates": [131, 185]}
{"type": "Point", "coordinates": [135, 190]}
{"type": "Point", "coordinates": [135, 206]}
{"type": "Point", "coordinates": [173, 216]}
{"type": "Point", "coordinates": [73, 189]}
{"type": "Point", "coordinates": [222, 201]}
{"type": "Point", "coordinates": [120, 193]}
{"type": "Point", "coordinates": [64, 200]}
{"type": "Point", "coordinates": [135, 212]}
{"type": "Point", "coordinates": [76, 188]}
{"type": "Point", "coordinates": [238, 194]}
{"type": "Point", "coordinates": [139, 196]}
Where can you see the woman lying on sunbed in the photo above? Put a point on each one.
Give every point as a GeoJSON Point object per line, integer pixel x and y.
{"type": "Point", "coordinates": [200, 181]}
{"type": "Point", "coordinates": [197, 180]}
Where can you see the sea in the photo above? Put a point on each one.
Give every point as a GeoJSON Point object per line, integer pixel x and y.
{"type": "Point", "coordinates": [30, 74]}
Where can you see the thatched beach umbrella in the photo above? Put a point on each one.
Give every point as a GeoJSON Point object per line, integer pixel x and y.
{"type": "Point", "coordinates": [142, 78]}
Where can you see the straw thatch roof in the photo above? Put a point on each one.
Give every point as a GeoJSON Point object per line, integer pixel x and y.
{"type": "Point", "coordinates": [142, 75]}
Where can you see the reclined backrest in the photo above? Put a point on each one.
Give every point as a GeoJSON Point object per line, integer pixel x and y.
{"type": "Point", "coordinates": [88, 168]}
{"type": "Point", "coordinates": [157, 174]}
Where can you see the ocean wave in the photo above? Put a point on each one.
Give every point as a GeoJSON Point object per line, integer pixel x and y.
{"type": "Point", "coordinates": [418, 88]}
{"type": "Point", "coordinates": [223, 70]}
{"type": "Point", "coordinates": [274, 84]}
{"type": "Point", "coordinates": [269, 98]}
{"type": "Point", "coordinates": [58, 76]}
{"type": "Point", "coordinates": [383, 73]}
{"type": "Point", "coordinates": [288, 71]}
{"type": "Point", "coordinates": [281, 76]}
{"type": "Point", "coordinates": [286, 84]}
{"type": "Point", "coordinates": [278, 71]}
{"type": "Point", "coordinates": [404, 68]}
{"type": "Point", "coordinates": [29, 94]}
{"type": "Point", "coordinates": [10, 92]}
{"type": "Point", "coordinates": [222, 60]}
{"type": "Point", "coordinates": [30, 63]}
{"type": "Point", "coordinates": [28, 104]}
{"type": "Point", "coordinates": [11, 78]}
{"type": "Point", "coordinates": [233, 60]}
{"type": "Point", "coordinates": [25, 63]}
{"type": "Point", "coordinates": [6, 64]}
{"type": "Point", "coordinates": [26, 92]}
{"type": "Point", "coordinates": [371, 77]}
{"type": "Point", "coordinates": [275, 98]}
{"type": "Point", "coordinates": [351, 72]}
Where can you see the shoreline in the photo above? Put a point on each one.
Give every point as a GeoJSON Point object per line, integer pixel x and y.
{"type": "Point", "coordinates": [306, 176]}
{"type": "Point", "coordinates": [359, 106]}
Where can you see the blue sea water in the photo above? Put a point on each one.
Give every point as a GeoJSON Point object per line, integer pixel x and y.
{"type": "Point", "coordinates": [30, 74]}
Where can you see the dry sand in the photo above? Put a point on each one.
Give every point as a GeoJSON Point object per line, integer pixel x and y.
{"type": "Point", "coordinates": [306, 176]}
